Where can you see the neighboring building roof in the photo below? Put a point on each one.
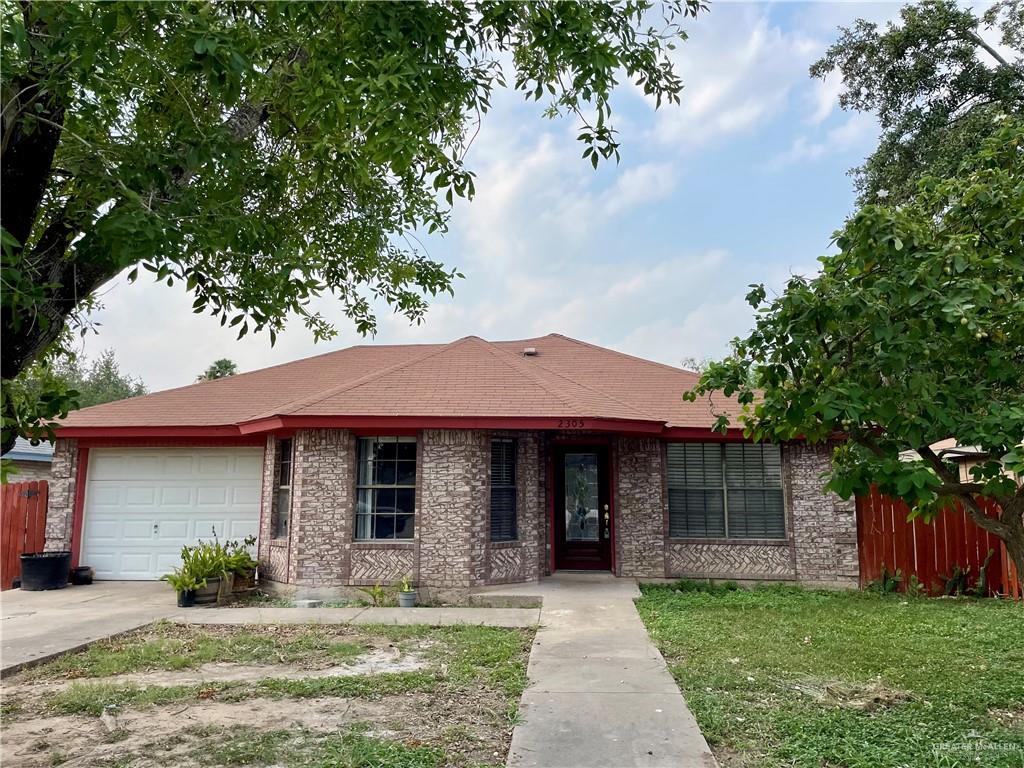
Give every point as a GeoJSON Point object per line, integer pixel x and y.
{"type": "Point", "coordinates": [23, 450]}
{"type": "Point", "coordinates": [466, 379]}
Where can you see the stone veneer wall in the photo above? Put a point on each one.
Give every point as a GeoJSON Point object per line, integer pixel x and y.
{"type": "Point", "coordinates": [323, 507]}
{"type": "Point", "coordinates": [824, 526]}
{"type": "Point", "coordinates": [640, 508]}
{"type": "Point", "coordinates": [61, 504]}
{"type": "Point", "coordinates": [453, 499]}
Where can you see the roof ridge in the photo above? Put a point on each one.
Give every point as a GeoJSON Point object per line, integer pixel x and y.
{"type": "Point", "coordinates": [499, 353]}
{"type": "Point", "coordinates": [587, 387]}
{"type": "Point", "coordinates": [624, 354]}
{"type": "Point", "coordinates": [310, 400]}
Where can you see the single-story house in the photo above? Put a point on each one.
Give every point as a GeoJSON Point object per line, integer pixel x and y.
{"type": "Point", "coordinates": [29, 462]}
{"type": "Point", "coordinates": [461, 464]}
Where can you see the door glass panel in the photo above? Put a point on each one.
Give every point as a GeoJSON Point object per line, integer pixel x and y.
{"type": "Point", "coordinates": [581, 499]}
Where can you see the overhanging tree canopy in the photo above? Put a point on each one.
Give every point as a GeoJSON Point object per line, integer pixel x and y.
{"type": "Point", "coordinates": [937, 80]}
{"type": "Point", "coordinates": [265, 154]}
{"type": "Point", "coordinates": [912, 333]}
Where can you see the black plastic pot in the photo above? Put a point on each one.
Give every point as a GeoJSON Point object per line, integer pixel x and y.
{"type": "Point", "coordinates": [187, 598]}
{"type": "Point", "coordinates": [82, 575]}
{"type": "Point", "coordinates": [45, 570]}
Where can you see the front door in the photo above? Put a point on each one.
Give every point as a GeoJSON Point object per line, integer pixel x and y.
{"type": "Point", "coordinates": [582, 508]}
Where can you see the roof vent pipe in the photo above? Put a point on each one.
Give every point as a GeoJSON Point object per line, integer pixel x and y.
{"type": "Point", "coordinates": [530, 351]}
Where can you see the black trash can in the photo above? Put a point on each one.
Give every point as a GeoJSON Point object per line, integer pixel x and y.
{"type": "Point", "coordinates": [45, 570]}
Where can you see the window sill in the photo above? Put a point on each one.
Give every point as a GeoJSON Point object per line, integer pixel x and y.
{"type": "Point", "coordinates": [383, 544]}
{"type": "Point", "coordinates": [733, 542]}
{"type": "Point", "coordinates": [280, 541]}
{"type": "Point", "coordinates": [511, 544]}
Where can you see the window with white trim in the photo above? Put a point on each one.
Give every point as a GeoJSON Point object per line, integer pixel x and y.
{"type": "Point", "coordinates": [503, 490]}
{"type": "Point", "coordinates": [281, 512]}
{"type": "Point", "coordinates": [725, 490]}
{"type": "Point", "coordinates": [386, 488]}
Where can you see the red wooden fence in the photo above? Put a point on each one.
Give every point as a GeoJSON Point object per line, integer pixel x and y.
{"type": "Point", "coordinates": [22, 525]}
{"type": "Point", "coordinates": [929, 551]}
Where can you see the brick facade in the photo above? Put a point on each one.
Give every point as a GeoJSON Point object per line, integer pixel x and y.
{"type": "Point", "coordinates": [640, 508]}
{"type": "Point", "coordinates": [820, 547]}
{"type": "Point", "coordinates": [824, 527]}
{"type": "Point", "coordinates": [451, 548]}
{"type": "Point", "coordinates": [61, 504]}
{"type": "Point", "coordinates": [453, 525]}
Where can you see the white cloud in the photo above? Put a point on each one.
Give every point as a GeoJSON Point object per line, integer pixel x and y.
{"type": "Point", "coordinates": [826, 97]}
{"type": "Point", "coordinates": [739, 68]}
{"type": "Point", "coordinates": [857, 132]}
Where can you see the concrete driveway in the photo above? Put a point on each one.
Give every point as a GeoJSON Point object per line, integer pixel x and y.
{"type": "Point", "coordinates": [37, 625]}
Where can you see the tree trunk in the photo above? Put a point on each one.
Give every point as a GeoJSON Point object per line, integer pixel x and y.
{"type": "Point", "coordinates": [1013, 516]}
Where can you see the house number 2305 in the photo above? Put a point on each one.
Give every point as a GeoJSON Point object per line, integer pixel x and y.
{"type": "Point", "coordinates": [571, 423]}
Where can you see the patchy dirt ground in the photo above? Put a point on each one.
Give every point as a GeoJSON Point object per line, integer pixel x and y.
{"type": "Point", "coordinates": [445, 697]}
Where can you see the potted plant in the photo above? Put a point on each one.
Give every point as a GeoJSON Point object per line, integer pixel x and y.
{"type": "Point", "coordinates": [406, 593]}
{"type": "Point", "coordinates": [207, 562]}
{"type": "Point", "coordinates": [185, 584]}
{"type": "Point", "coordinates": [241, 565]}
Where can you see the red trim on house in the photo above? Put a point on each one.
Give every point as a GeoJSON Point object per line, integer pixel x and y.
{"type": "Point", "coordinates": [164, 431]}
{"type": "Point", "coordinates": [243, 434]}
{"type": "Point", "coordinates": [704, 434]}
{"type": "Point", "coordinates": [78, 511]}
{"type": "Point", "coordinates": [549, 492]}
{"type": "Point", "coordinates": [450, 422]}
{"type": "Point", "coordinates": [258, 441]}
{"type": "Point", "coordinates": [613, 473]}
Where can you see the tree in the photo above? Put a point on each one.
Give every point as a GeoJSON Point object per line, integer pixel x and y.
{"type": "Point", "coordinates": [265, 154]}
{"type": "Point", "coordinates": [218, 369]}
{"type": "Point", "coordinates": [936, 84]}
{"type": "Point", "coordinates": [102, 381]}
{"type": "Point", "coordinates": [911, 333]}
{"type": "Point", "coordinates": [92, 383]}
{"type": "Point", "coordinates": [55, 385]}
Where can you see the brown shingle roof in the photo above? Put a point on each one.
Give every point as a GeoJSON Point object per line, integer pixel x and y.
{"type": "Point", "coordinates": [466, 378]}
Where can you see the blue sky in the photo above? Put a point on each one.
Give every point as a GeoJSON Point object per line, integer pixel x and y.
{"type": "Point", "coordinates": [744, 182]}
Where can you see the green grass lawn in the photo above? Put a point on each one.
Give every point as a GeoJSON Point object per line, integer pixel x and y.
{"type": "Point", "coordinates": [779, 676]}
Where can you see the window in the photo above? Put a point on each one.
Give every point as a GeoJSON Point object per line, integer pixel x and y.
{"type": "Point", "coordinates": [386, 488]}
{"type": "Point", "coordinates": [725, 490]}
{"type": "Point", "coordinates": [503, 490]}
{"type": "Point", "coordinates": [283, 490]}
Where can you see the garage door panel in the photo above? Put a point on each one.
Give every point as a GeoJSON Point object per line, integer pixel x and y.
{"type": "Point", "coordinates": [171, 496]}
{"type": "Point", "coordinates": [143, 495]}
{"type": "Point", "coordinates": [249, 467]}
{"type": "Point", "coordinates": [134, 531]}
{"type": "Point", "coordinates": [142, 506]}
{"type": "Point", "coordinates": [214, 495]}
{"type": "Point", "coordinates": [245, 495]}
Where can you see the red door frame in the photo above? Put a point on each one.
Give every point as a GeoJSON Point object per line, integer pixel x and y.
{"type": "Point", "coordinates": [600, 441]}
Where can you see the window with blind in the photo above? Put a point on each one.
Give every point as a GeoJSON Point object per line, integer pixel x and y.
{"type": "Point", "coordinates": [503, 490]}
{"type": "Point", "coordinates": [725, 490]}
{"type": "Point", "coordinates": [386, 488]}
{"type": "Point", "coordinates": [282, 502]}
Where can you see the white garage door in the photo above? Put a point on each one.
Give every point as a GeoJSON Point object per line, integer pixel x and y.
{"type": "Point", "coordinates": [143, 504]}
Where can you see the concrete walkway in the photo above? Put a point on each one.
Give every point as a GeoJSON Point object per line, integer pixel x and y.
{"type": "Point", "coordinates": [38, 625]}
{"type": "Point", "coordinates": [600, 695]}
{"type": "Point", "coordinates": [434, 617]}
